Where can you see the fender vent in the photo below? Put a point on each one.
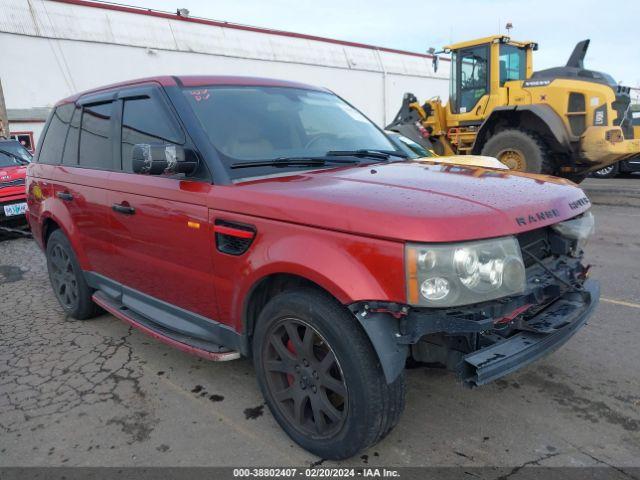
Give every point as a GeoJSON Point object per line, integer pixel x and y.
{"type": "Point", "coordinates": [233, 238]}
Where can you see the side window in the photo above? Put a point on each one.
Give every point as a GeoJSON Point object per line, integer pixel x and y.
{"type": "Point", "coordinates": [53, 144]}
{"type": "Point", "coordinates": [474, 77]}
{"type": "Point", "coordinates": [95, 137]}
{"type": "Point", "coordinates": [70, 156]}
{"type": "Point", "coordinates": [146, 120]}
{"type": "Point", "coordinates": [512, 63]}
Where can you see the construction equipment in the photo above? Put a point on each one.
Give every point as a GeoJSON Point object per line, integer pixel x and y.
{"type": "Point", "coordinates": [565, 121]}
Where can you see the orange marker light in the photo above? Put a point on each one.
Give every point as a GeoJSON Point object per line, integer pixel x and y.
{"type": "Point", "coordinates": [412, 277]}
{"type": "Point", "coordinates": [195, 225]}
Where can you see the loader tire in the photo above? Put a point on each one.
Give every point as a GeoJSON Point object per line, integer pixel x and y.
{"type": "Point", "coordinates": [519, 150]}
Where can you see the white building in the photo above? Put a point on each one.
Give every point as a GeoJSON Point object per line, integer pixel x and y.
{"type": "Point", "coordinates": [53, 48]}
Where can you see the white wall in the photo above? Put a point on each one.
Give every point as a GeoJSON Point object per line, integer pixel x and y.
{"type": "Point", "coordinates": [62, 49]}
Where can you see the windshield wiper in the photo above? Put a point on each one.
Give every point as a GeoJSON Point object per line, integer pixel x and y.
{"type": "Point", "coordinates": [13, 155]}
{"type": "Point", "coordinates": [382, 154]}
{"type": "Point", "coordinates": [291, 162]}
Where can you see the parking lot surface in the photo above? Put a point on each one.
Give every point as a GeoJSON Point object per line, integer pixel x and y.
{"type": "Point", "coordinates": [98, 393]}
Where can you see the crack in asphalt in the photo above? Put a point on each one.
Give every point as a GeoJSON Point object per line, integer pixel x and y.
{"type": "Point", "coordinates": [51, 365]}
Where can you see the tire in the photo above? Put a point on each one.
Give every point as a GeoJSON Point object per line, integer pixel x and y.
{"type": "Point", "coordinates": [67, 280]}
{"type": "Point", "coordinates": [306, 325]}
{"type": "Point", "coordinates": [520, 150]}
{"type": "Point", "coordinates": [607, 172]}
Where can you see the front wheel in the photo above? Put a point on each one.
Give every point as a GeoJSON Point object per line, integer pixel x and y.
{"type": "Point", "coordinates": [321, 377]}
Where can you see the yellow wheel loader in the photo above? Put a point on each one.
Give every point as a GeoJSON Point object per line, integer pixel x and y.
{"type": "Point", "coordinates": [566, 121]}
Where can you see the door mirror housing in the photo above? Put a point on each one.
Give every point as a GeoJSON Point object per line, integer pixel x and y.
{"type": "Point", "coordinates": [159, 159]}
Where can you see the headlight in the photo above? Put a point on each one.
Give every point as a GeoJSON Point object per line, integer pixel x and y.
{"type": "Point", "coordinates": [448, 275]}
{"type": "Point", "coordinates": [579, 229]}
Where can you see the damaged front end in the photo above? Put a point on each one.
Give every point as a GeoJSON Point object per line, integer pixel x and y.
{"type": "Point", "coordinates": [485, 341]}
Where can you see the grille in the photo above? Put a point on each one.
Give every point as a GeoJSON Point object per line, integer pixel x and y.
{"type": "Point", "coordinates": [12, 183]}
{"type": "Point", "coordinates": [537, 243]}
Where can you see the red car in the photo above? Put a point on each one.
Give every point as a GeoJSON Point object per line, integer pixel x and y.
{"type": "Point", "coordinates": [14, 159]}
{"type": "Point", "coordinates": [232, 216]}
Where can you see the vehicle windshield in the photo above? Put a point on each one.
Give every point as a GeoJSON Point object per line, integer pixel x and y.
{"type": "Point", "coordinates": [262, 124]}
{"type": "Point", "coordinates": [411, 148]}
{"type": "Point", "coordinates": [12, 154]}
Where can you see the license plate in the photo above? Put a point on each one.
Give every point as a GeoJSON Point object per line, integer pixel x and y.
{"type": "Point", "coordinates": [15, 209]}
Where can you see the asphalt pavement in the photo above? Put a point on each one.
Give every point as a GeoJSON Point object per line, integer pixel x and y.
{"type": "Point", "coordinates": [98, 393]}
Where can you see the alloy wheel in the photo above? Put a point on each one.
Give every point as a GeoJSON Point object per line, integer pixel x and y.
{"type": "Point", "coordinates": [63, 278]}
{"type": "Point", "coordinates": [304, 378]}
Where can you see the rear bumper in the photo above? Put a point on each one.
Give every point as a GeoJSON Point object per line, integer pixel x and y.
{"type": "Point", "coordinates": [562, 319]}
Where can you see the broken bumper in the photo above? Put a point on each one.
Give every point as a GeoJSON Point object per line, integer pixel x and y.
{"type": "Point", "coordinates": [559, 322]}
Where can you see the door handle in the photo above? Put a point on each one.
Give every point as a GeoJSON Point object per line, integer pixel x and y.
{"type": "Point", "coordinates": [124, 209]}
{"type": "Point", "coordinates": [66, 196]}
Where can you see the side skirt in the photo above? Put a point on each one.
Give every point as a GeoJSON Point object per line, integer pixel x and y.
{"type": "Point", "coordinates": [168, 323]}
{"type": "Point", "coordinates": [206, 350]}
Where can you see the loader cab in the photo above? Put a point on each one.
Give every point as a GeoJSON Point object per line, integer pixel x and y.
{"type": "Point", "coordinates": [480, 70]}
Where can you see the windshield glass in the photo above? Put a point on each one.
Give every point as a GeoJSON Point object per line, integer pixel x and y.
{"type": "Point", "coordinates": [258, 124]}
{"type": "Point", "coordinates": [7, 152]}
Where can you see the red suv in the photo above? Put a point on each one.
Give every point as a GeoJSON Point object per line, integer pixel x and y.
{"type": "Point", "coordinates": [250, 217]}
{"type": "Point", "coordinates": [14, 159]}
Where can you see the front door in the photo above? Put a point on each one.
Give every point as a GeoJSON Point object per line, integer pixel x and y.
{"type": "Point", "coordinates": [161, 234]}
{"type": "Point", "coordinates": [469, 83]}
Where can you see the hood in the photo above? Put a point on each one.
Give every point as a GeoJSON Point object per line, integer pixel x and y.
{"type": "Point", "coordinates": [468, 160]}
{"type": "Point", "coordinates": [409, 201]}
{"type": "Point", "coordinates": [7, 174]}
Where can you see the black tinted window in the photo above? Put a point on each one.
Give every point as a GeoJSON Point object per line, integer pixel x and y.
{"type": "Point", "coordinates": [70, 156]}
{"type": "Point", "coordinates": [95, 137]}
{"type": "Point", "coordinates": [146, 120]}
{"type": "Point", "coordinates": [53, 144]}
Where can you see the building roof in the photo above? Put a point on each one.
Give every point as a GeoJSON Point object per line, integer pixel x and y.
{"type": "Point", "coordinates": [217, 23]}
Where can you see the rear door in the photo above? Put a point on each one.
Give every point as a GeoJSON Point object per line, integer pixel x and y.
{"type": "Point", "coordinates": [80, 182]}
{"type": "Point", "coordinates": [161, 235]}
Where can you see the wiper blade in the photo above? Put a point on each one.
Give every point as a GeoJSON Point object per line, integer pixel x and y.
{"type": "Point", "coordinates": [290, 162]}
{"type": "Point", "coordinates": [382, 154]}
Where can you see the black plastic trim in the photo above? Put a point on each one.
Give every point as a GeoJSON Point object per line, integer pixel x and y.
{"type": "Point", "coordinates": [504, 357]}
{"type": "Point", "coordinates": [169, 317]}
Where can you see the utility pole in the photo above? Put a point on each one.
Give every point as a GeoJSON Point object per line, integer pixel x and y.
{"type": "Point", "coordinates": [4, 119]}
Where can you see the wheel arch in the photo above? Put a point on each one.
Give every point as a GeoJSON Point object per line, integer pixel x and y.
{"type": "Point", "coordinates": [49, 224]}
{"type": "Point", "coordinates": [540, 119]}
{"type": "Point", "coordinates": [269, 285]}
{"type": "Point", "coordinates": [380, 328]}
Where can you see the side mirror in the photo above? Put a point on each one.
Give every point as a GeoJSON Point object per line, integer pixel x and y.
{"type": "Point", "coordinates": [158, 159]}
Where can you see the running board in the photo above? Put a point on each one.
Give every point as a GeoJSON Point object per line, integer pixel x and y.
{"type": "Point", "coordinates": [194, 346]}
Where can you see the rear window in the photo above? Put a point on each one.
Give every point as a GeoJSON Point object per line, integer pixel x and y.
{"type": "Point", "coordinates": [53, 144]}
{"type": "Point", "coordinates": [70, 155]}
{"type": "Point", "coordinates": [95, 137]}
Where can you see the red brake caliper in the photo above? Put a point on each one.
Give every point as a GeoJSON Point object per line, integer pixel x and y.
{"type": "Point", "coordinates": [291, 348]}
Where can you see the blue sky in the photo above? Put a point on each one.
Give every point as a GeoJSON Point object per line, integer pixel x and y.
{"type": "Point", "coordinates": [416, 25]}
